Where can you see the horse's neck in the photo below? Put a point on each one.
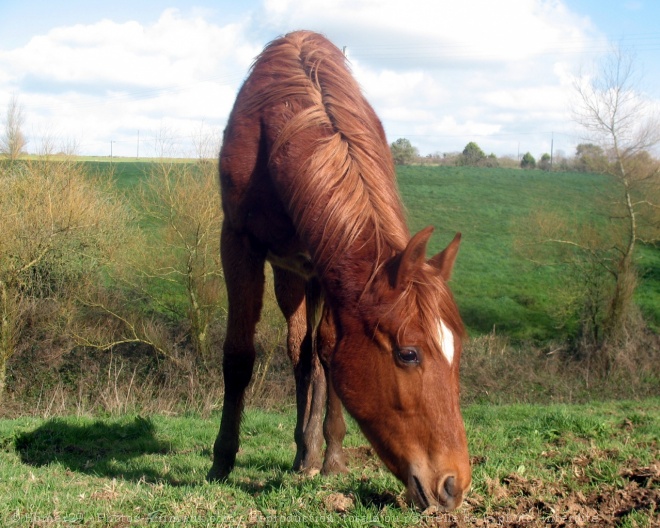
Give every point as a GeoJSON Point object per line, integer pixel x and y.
{"type": "Point", "coordinates": [346, 279]}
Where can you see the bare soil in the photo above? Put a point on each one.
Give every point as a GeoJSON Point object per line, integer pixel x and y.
{"type": "Point", "coordinates": [517, 501]}
{"type": "Point", "coordinates": [530, 502]}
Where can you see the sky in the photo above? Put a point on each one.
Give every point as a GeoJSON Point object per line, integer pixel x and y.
{"type": "Point", "coordinates": [150, 77]}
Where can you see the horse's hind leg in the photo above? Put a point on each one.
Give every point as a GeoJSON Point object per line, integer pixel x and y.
{"type": "Point", "coordinates": [290, 291]}
{"type": "Point", "coordinates": [244, 275]}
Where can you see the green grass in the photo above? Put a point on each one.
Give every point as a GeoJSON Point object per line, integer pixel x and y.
{"type": "Point", "coordinates": [494, 286]}
{"type": "Point", "coordinates": [127, 175]}
{"type": "Point", "coordinates": [529, 462]}
{"type": "Point", "coordinates": [648, 294]}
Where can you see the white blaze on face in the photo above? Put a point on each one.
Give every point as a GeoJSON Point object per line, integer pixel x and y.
{"type": "Point", "coordinates": [446, 340]}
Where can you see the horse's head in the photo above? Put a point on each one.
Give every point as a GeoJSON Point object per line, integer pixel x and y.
{"type": "Point", "coordinates": [396, 370]}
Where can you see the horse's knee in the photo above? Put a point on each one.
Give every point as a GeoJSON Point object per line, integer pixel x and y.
{"type": "Point", "coordinates": [237, 369]}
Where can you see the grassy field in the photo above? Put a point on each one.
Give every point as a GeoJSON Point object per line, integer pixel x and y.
{"type": "Point", "coordinates": [587, 465]}
{"type": "Point", "coordinates": [495, 287]}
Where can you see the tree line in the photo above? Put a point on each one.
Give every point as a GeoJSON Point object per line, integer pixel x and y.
{"type": "Point", "coordinates": [588, 157]}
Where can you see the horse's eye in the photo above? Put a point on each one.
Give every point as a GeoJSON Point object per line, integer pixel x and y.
{"type": "Point", "coordinates": [408, 355]}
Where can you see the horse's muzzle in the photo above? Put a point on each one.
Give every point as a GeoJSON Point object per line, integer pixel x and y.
{"type": "Point", "coordinates": [445, 493]}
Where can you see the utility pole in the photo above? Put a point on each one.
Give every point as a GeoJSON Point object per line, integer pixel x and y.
{"type": "Point", "coordinates": [552, 146]}
{"type": "Point", "coordinates": [111, 142]}
{"type": "Point", "coordinates": [138, 146]}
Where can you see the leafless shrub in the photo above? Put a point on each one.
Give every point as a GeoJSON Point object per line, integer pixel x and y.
{"type": "Point", "coordinates": [12, 139]}
{"type": "Point", "coordinates": [58, 229]}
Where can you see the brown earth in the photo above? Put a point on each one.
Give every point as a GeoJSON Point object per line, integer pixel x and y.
{"type": "Point", "coordinates": [520, 503]}
{"type": "Point", "coordinates": [517, 501]}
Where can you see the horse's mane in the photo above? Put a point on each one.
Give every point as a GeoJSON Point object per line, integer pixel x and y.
{"type": "Point", "coordinates": [345, 190]}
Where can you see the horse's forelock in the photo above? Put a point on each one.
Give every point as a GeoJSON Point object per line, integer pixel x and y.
{"type": "Point", "coordinates": [426, 302]}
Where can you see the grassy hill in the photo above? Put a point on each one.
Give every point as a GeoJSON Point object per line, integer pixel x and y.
{"type": "Point", "coordinates": [495, 287]}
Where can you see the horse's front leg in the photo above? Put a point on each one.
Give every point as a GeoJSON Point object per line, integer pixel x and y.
{"type": "Point", "coordinates": [244, 275]}
{"type": "Point", "coordinates": [334, 426]}
{"type": "Point", "coordinates": [290, 291]}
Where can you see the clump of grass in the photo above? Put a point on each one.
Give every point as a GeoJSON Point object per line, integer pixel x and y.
{"type": "Point", "coordinates": [493, 369]}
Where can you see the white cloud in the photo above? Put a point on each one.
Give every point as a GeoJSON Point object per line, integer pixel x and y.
{"type": "Point", "coordinates": [99, 81]}
{"type": "Point", "coordinates": [168, 52]}
{"type": "Point", "coordinates": [480, 30]}
{"type": "Point", "coordinates": [441, 73]}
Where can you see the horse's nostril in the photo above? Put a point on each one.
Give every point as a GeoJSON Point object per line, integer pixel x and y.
{"type": "Point", "coordinates": [449, 486]}
{"type": "Point", "coordinates": [448, 492]}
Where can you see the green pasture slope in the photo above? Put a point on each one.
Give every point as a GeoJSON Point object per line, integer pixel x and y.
{"type": "Point", "coordinates": [588, 465]}
{"type": "Point", "coordinates": [127, 175]}
{"type": "Point", "coordinates": [494, 287]}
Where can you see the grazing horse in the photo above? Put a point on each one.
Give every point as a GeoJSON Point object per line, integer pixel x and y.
{"type": "Point", "coordinates": [308, 184]}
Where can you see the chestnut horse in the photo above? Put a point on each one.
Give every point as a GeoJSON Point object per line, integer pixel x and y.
{"type": "Point", "coordinates": [308, 184]}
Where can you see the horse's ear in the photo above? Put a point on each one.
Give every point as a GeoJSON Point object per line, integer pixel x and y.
{"type": "Point", "coordinates": [413, 256]}
{"type": "Point", "coordinates": [444, 261]}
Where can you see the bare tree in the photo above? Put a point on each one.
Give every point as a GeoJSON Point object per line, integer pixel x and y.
{"type": "Point", "coordinates": [183, 200]}
{"type": "Point", "coordinates": [176, 267]}
{"type": "Point", "coordinates": [172, 268]}
{"type": "Point", "coordinates": [596, 251]}
{"type": "Point", "coordinates": [12, 142]}
{"type": "Point", "coordinates": [206, 143]}
{"type": "Point", "coordinates": [617, 117]}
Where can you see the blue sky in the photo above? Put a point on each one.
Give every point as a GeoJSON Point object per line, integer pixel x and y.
{"type": "Point", "coordinates": [440, 73]}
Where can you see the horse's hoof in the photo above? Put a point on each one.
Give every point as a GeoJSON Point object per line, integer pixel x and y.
{"type": "Point", "coordinates": [334, 467]}
{"type": "Point", "coordinates": [217, 475]}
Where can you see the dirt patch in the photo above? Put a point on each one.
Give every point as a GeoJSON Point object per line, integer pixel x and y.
{"type": "Point", "coordinates": [338, 502]}
{"type": "Point", "coordinates": [516, 501]}
{"type": "Point", "coordinates": [359, 456]}
{"type": "Point", "coordinates": [645, 476]}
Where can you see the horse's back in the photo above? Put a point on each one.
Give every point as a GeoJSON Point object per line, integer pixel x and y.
{"type": "Point", "coordinates": [305, 165]}
{"type": "Point", "coordinates": [250, 201]}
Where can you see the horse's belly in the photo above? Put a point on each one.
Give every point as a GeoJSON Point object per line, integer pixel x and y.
{"type": "Point", "coordinates": [299, 263]}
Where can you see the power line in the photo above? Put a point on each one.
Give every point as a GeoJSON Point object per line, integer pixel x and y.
{"type": "Point", "coordinates": [455, 51]}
